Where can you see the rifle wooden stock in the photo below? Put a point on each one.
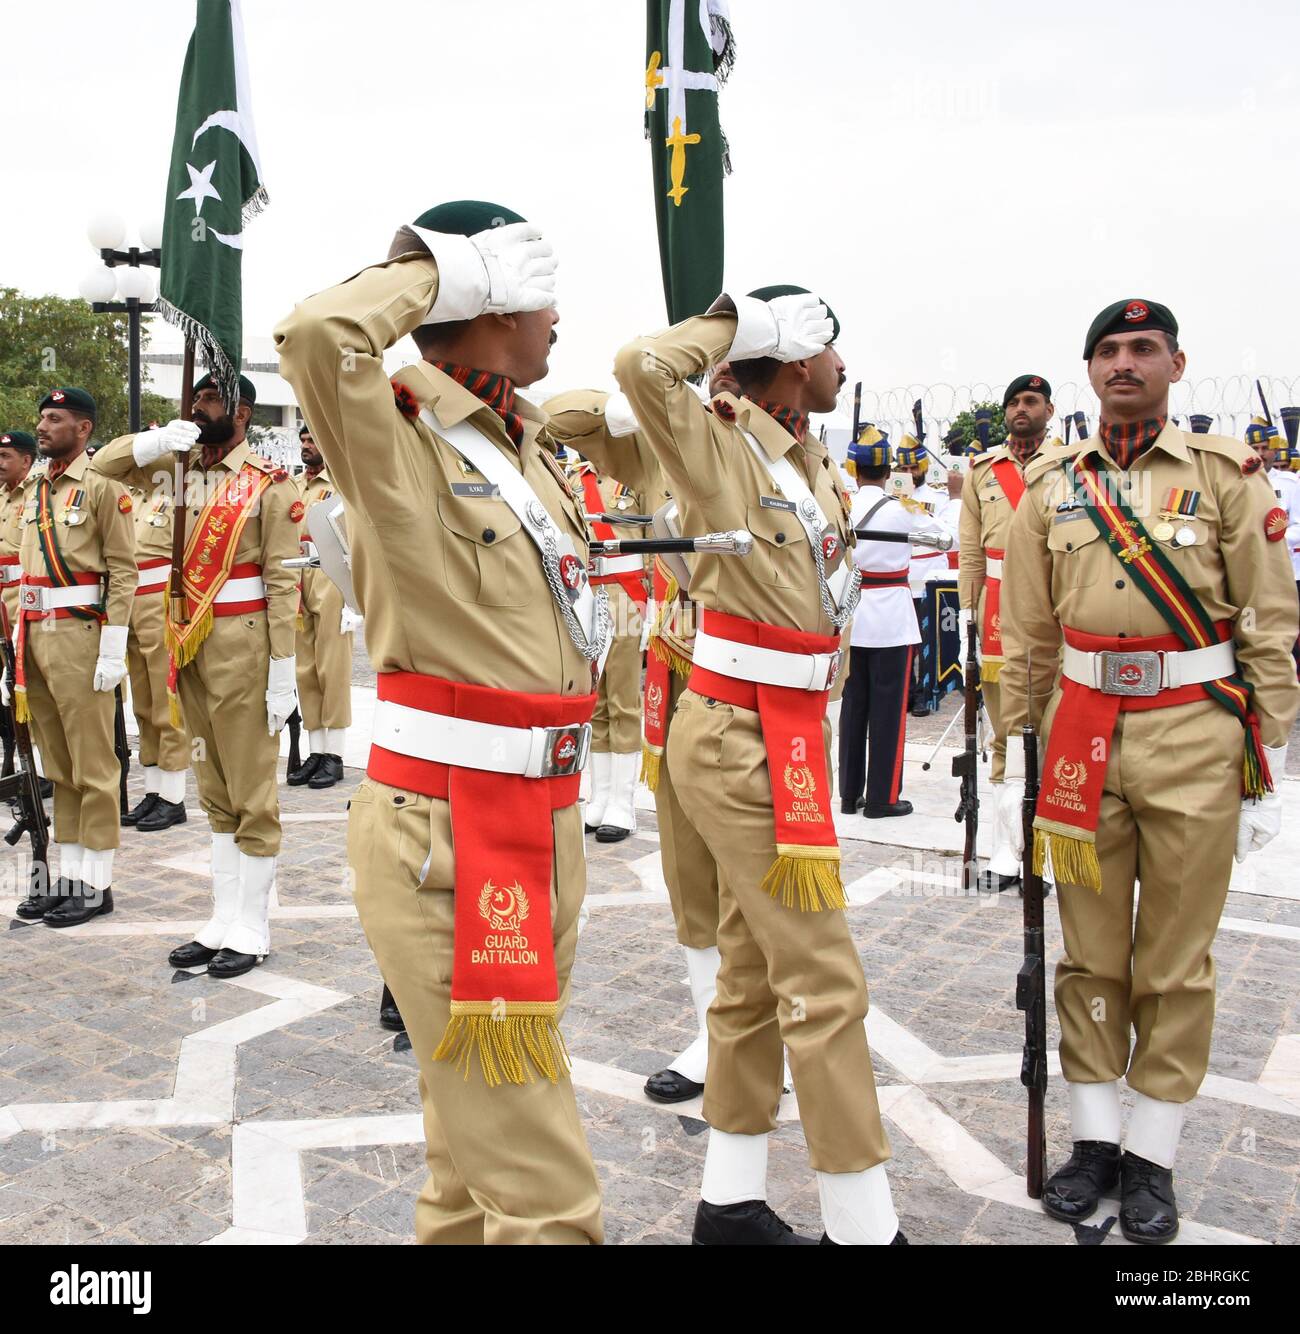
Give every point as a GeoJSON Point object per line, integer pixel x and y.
{"type": "Point", "coordinates": [294, 724]}
{"type": "Point", "coordinates": [1031, 981]}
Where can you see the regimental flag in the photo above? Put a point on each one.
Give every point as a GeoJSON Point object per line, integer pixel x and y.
{"type": "Point", "coordinates": [689, 52]}
{"type": "Point", "coordinates": [213, 188]}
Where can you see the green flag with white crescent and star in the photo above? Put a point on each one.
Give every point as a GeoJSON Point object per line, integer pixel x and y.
{"type": "Point", "coordinates": [689, 52]}
{"type": "Point", "coordinates": [213, 188]}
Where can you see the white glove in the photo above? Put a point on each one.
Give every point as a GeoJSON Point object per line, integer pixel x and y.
{"type": "Point", "coordinates": [177, 437]}
{"type": "Point", "coordinates": [1010, 797]}
{"type": "Point", "coordinates": [281, 692]}
{"type": "Point", "coordinates": [788, 328]}
{"type": "Point", "coordinates": [350, 621]}
{"type": "Point", "coordinates": [110, 666]}
{"type": "Point", "coordinates": [5, 697]}
{"type": "Point", "coordinates": [1260, 820]}
{"type": "Point", "coordinates": [620, 420]}
{"type": "Point", "coordinates": [500, 270]}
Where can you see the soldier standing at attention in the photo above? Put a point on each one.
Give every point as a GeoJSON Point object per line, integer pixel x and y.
{"type": "Point", "coordinates": [748, 755]}
{"type": "Point", "coordinates": [1151, 560]}
{"type": "Point", "coordinates": [78, 578]}
{"type": "Point", "coordinates": [17, 454]}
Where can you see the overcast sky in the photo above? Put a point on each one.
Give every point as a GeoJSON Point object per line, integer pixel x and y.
{"type": "Point", "coordinates": [966, 183]}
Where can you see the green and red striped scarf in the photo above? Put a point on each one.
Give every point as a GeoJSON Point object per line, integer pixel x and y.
{"type": "Point", "coordinates": [792, 419]}
{"type": "Point", "coordinates": [1126, 442]}
{"type": "Point", "coordinates": [496, 391]}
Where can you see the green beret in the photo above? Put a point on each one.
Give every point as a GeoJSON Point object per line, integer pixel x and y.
{"type": "Point", "coordinates": [247, 391]}
{"type": "Point", "coordinates": [19, 440]}
{"type": "Point", "coordinates": [71, 399]}
{"type": "Point", "coordinates": [1127, 317]}
{"type": "Point", "coordinates": [466, 217]}
{"type": "Point", "coordinates": [1023, 382]}
{"type": "Point", "coordinates": [785, 289]}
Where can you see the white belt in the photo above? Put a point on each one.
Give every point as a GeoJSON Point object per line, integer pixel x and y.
{"type": "Point", "coordinates": [992, 568]}
{"type": "Point", "coordinates": [534, 752]}
{"type": "Point", "coordinates": [767, 666]}
{"type": "Point", "coordinates": [154, 577]}
{"type": "Point", "coordinates": [599, 565]}
{"type": "Point", "coordinates": [36, 597]}
{"type": "Point", "coordinates": [1147, 671]}
{"type": "Point", "coordinates": [250, 589]}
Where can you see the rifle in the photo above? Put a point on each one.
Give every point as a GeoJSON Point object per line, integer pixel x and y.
{"type": "Point", "coordinates": [122, 749]}
{"type": "Point", "coordinates": [1081, 425]}
{"type": "Point", "coordinates": [24, 786]}
{"type": "Point", "coordinates": [964, 765]}
{"type": "Point", "coordinates": [7, 741]}
{"type": "Point", "coordinates": [1263, 403]}
{"type": "Point", "coordinates": [1031, 980]}
{"type": "Point", "coordinates": [294, 724]}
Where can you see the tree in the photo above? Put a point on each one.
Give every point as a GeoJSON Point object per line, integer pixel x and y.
{"type": "Point", "coordinates": [46, 341]}
{"type": "Point", "coordinates": [965, 423]}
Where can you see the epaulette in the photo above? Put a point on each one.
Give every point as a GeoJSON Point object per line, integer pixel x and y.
{"type": "Point", "coordinates": [979, 460]}
{"type": "Point", "coordinates": [1044, 461]}
{"type": "Point", "coordinates": [1241, 455]}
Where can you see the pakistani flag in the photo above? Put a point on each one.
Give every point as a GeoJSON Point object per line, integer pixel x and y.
{"type": "Point", "coordinates": [213, 188]}
{"type": "Point", "coordinates": [689, 51]}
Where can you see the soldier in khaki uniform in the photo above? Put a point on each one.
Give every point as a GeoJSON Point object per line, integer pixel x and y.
{"type": "Point", "coordinates": [17, 454]}
{"type": "Point", "coordinates": [1153, 561]}
{"type": "Point", "coordinates": [164, 747]}
{"type": "Point", "coordinates": [469, 563]}
{"type": "Point", "coordinates": [749, 749]}
{"type": "Point", "coordinates": [235, 676]}
{"type": "Point", "coordinates": [989, 498]}
{"type": "Point", "coordinates": [78, 577]}
{"type": "Point", "coordinates": [324, 645]}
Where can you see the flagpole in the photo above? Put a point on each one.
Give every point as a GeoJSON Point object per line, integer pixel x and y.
{"type": "Point", "coordinates": [176, 592]}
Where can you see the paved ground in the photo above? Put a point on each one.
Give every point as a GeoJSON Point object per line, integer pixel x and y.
{"type": "Point", "coordinates": [141, 1106]}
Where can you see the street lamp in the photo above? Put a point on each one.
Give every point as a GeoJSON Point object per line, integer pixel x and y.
{"type": "Point", "coordinates": [128, 273]}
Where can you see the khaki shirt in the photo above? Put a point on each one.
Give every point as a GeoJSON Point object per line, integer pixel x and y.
{"type": "Point", "coordinates": [1061, 572]}
{"type": "Point", "coordinates": [12, 501]}
{"type": "Point", "coordinates": [315, 583]}
{"type": "Point", "coordinates": [94, 536]}
{"type": "Point", "coordinates": [449, 583]}
{"type": "Point", "coordinates": [719, 484]}
{"type": "Point", "coordinates": [577, 419]}
{"type": "Point", "coordinates": [153, 525]}
{"type": "Point", "coordinates": [268, 538]}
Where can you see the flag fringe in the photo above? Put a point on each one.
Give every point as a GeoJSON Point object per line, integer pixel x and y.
{"type": "Point", "coordinates": [254, 204]}
{"type": "Point", "coordinates": [723, 40]}
{"type": "Point", "coordinates": [214, 355]}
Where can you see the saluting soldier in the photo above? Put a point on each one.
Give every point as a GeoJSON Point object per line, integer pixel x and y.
{"type": "Point", "coordinates": [469, 556]}
{"type": "Point", "coordinates": [1152, 561]}
{"type": "Point", "coordinates": [164, 745]}
{"type": "Point", "coordinates": [232, 654]}
{"type": "Point", "coordinates": [17, 454]}
{"type": "Point", "coordinates": [990, 495]}
{"type": "Point", "coordinates": [324, 644]}
{"type": "Point", "coordinates": [78, 577]}
{"type": "Point", "coordinates": [748, 755]}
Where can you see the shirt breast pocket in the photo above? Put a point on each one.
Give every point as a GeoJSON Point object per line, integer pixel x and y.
{"type": "Point", "coordinates": [1076, 558]}
{"type": "Point", "coordinates": [487, 558]}
{"type": "Point", "coordinates": [779, 542]}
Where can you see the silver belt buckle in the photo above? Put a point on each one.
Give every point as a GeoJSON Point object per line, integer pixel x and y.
{"type": "Point", "coordinates": [833, 664]}
{"type": "Point", "coordinates": [1136, 673]}
{"type": "Point", "coordinates": [31, 598]}
{"type": "Point", "coordinates": [565, 750]}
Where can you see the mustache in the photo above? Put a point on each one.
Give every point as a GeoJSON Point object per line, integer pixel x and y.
{"type": "Point", "coordinates": [555, 338]}
{"type": "Point", "coordinates": [1123, 379]}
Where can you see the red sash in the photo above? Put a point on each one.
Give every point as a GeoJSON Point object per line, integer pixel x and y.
{"type": "Point", "coordinates": [1012, 482]}
{"type": "Point", "coordinates": [632, 582]}
{"type": "Point", "coordinates": [806, 872]}
{"type": "Point", "coordinates": [660, 663]}
{"type": "Point", "coordinates": [504, 991]}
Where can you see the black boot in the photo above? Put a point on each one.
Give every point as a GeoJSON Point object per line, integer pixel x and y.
{"type": "Point", "coordinates": [163, 816]}
{"type": "Point", "coordinates": [1148, 1212]}
{"type": "Point", "coordinates": [851, 807]}
{"type": "Point", "coordinates": [80, 906]}
{"type": "Point", "coordinates": [328, 772]}
{"type": "Point", "coordinates": [142, 808]}
{"type": "Point", "coordinates": [1072, 1191]}
{"type": "Point", "coordinates": [670, 1086]}
{"type": "Point", "coordinates": [750, 1223]}
{"type": "Point", "coordinates": [390, 1017]}
{"type": "Point", "coordinates": [302, 774]}
{"type": "Point", "coordinates": [884, 812]}
{"type": "Point", "coordinates": [612, 833]}
{"type": "Point", "coordinates": [35, 906]}
{"type": "Point", "coordinates": [994, 882]}
{"type": "Point", "coordinates": [190, 955]}
{"type": "Point", "coordinates": [230, 963]}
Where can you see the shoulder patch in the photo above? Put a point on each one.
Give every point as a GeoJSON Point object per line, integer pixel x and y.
{"type": "Point", "coordinates": [297, 510]}
{"type": "Point", "coordinates": [723, 410]}
{"type": "Point", "coordinates": [1275, 524]}
{"type": "Point", "coordinates": [124, 503]}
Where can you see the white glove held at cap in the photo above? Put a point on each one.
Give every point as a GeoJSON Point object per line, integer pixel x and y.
{"type": "Point", "coordinates": [620, 420]}
{"type": "Point", "coordinates": [1260, 820]}
{"type": "Point", "coordinates": [1010, 796]}
{"type": "Point", "coordinates": [177, 437]}
{"type": "Point", "coordinates": [350, 621]}
{"type": "Point", "coordinates": [788, 328]}
{"type": "Point", "coordinates": [110, 666]}
{"type": "Point", "coordinates": [500, 270]}
{"type": "Point", "coordinates": [281, 692]}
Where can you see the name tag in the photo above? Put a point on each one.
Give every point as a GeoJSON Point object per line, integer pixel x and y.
{"type": "Point", "coordinates": [1068, 516]}
{"type": "Point", "coordinates": [776, 503]}
{"type": "Point", "coordinates": [479, 490]}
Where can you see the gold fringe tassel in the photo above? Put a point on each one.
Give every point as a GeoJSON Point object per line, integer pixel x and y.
{"type": "Point", "coordinates": [22, 710]}
{"type": "Point", "coordinates": [650, 761]}
{"type": "Point", "coordinates": [1074, 860]}
{"type": "Point", "coordinates": [187, 650]}
{"type": "Point", "coordinates": [174, 709]}
{"type": "Point", "coordinates": [806, 879]}
{"type": "Point", "coordinates": [665, 652]}
{"type": "Point", "coordinates": [299, 624]}
{"type": "Point", "coordinates": [990, 670]}
{"type": "Point", "coordinates": [505, 1045]}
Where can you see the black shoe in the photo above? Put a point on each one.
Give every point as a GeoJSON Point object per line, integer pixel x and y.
{"type": "Point", "coordinates": [884, 812]}
{"type": "Point", "coordinates": [994, 882]}
{"type": "Point", "coordinates": [1148, 1212]}
{"type": "Point", "coordinates": [142, 808]}
{"type": "Point", "coordinates": [328, 772]}
{"type": "Point", "coordinates": [35, 906]}
{"type": "Point", "coordinates": [230, 963]}
{"type": "Point", "coordinates": [750, 1223]}
{"type": "Point", "coordinates": [302, 774]}
{"type": "Point", "coordinates": [163, 816]}
{"type": "Point", "coordinates": [919, 711]}
{"type": "Point", "coordinates": [851, 807]}
{"type": "Point", "coordinates": [190, 955]}
{"type": "Point", "coordinates": [900, 1239]}
{"type": "Point", "coordinates": [612, 833]}
{"type": "Point", "coordinates": [80, 905]}
{"type": "Point", "coordinates": [1072, 1191]}
{"type": "Point", "coordinates": [669, 1086]}
{"type": "Point", "coordinates": [390, 1016]}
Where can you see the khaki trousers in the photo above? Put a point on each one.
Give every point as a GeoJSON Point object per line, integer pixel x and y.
{"type": "Point", "coordinates": [223, 701]}
{"type": "Point", "coordinates": [787, 976]}
{"type": "Point", "coordinates": [507, 1165]}
{"type": "Point", "coordinates": [161, 742]}
{"type": "Point", "coordinates": [690, 872]}
{"type": "Point", "coordinates": [1138, 999]}
{"type": "Point", "coordinates": [616, 723]}
{"type": "Point", "coordinates": [992, 704]}
{"type": "Point", "coordinates": [73, 726]}
{"type": "Point", "coordinates": [324, 656]}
